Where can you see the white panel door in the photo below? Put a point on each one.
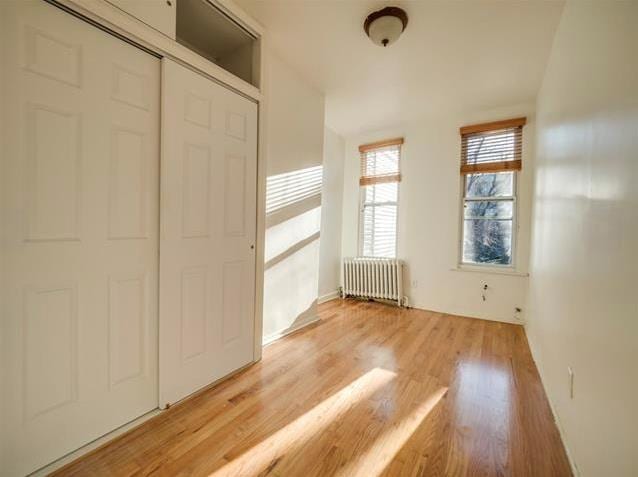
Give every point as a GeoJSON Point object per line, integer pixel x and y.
{"type": "Point", "coordinates": [79, 256]}
{"type": "Point", "coordinates": [208, 216]}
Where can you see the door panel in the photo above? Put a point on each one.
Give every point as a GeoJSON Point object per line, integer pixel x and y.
{"type": "Point", "coordinates": [79, 176]}
{"type": "Point", "coordinates": [207, 264]}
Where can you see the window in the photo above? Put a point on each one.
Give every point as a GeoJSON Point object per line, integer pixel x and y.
{"type": "Point", "coordinates": [490, 158]}
{"type": "Point", "coordinates": [379, 185]}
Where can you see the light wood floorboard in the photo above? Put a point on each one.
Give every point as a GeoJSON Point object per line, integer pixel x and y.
{"type": "Point", "coordinates": [369, 390]}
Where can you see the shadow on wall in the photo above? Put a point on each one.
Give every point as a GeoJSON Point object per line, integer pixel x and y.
{"type": "Point", "coordinates": [293, 220]}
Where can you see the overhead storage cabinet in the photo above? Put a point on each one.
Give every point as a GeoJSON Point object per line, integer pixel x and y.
{"type": "Point", "coordinates": [159, 14]}
{"type": "Point", "coordinates": [207, 30]}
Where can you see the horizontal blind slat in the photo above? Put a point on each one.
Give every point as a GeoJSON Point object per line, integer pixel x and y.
{"type": "Point", "coordinates": [492, 126]}
{"type": "Point", "coordinates": [370, 180]}
{"type": "Point", "coordinates": [492, 147]}
{"type": "Point", "coordinates": [379, 144]}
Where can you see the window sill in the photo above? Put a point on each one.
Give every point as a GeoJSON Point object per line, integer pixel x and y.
{"type": "Point", "coordinates": [489, 270]}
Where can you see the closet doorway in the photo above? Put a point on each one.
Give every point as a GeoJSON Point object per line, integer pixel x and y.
{"type": "Point", "coordinates": [88, 341]}
{"type": "Point", "coordinates": [208, 232]}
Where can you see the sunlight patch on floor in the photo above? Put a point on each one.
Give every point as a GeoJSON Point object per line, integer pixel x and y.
{"type": "Point", "coordinates": [380, 453]}
{"type": "Point", "coordinates": [294, 435]}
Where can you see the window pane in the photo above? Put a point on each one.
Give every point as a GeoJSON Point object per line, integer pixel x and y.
{"type": "Point", "coordinates": [497, 184]}
{"type": "Point", "coordinates": [379, 230]}
{"type": "Point", "coordinates": [501, 209]}
{"type": "Point", "coordinates": [387, 192]}
{"type": "Point", "coordinates": [487, 241]}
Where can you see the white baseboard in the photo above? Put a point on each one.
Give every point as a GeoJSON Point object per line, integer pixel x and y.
{"type": "Point", "coordinates": [328, 297]}
{"type": "Point", "coordinates": [512, 321]}
{"type": "Point", "coordinates": [280, 334]}
{"type": "Point", "coordinates": [561, 431]}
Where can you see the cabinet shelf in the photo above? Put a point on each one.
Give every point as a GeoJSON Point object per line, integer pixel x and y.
{"type": "Point", "coordinates": [208, 31]}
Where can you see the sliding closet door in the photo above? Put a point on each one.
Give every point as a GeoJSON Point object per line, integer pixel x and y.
{"type": "Point", "coordinates": [79, 255]}
{"type": "Point", "coordinates": [207, 262]}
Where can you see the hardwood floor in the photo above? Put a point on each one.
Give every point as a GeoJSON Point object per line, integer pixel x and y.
{"type": "Point", "coordinates": [369, 390]}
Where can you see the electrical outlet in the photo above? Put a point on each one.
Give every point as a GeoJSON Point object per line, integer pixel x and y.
{"type": "Point", "coordinates": [517, 313]}
{"type": "Point", "coordinates": [570, 373]}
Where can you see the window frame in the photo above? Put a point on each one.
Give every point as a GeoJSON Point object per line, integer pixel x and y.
{"type": "Point", "coordinates": [514, 199]}
{"type": "Point", "coordinates": [362, 205]}
{"type": "Point", "coordinates": [373, 179]}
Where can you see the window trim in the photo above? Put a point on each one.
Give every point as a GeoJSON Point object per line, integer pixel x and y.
{"type": "Point", "coordinates": [512, 266]}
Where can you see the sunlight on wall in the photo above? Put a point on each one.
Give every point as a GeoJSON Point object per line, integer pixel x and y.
{"type": "Point", "coordinates": [306, 427]}
{"type": "Point", "coordinates": [284, 236]}
{"type": "Point", "coordinates": [565, 177]}
{"type": "Point", "coordinates": [293, 222]}
{"type": "Point", "coordinates": [288, 188]}
{"type": "Point", "coordinates": [290, 290]}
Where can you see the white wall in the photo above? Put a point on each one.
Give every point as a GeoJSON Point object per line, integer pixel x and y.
{"type": "Point", "coordinates": [331, 214]}
{"type": "Point", "coordinates": [583, 305]}
{"type": "Point", "coordinates": [294, 142]}
{"type": "Point", "coordinates": [429, 216]}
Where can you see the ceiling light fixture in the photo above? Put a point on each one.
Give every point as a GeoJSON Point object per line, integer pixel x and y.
{"type": "Point", "coordinates": [386, 25]}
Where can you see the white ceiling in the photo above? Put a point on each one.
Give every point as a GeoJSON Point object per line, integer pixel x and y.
{"type": "Point", "coordinates": [464, 55]}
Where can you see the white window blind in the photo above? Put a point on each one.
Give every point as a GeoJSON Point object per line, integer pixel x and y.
{"type": "Point", "coordinates": [379, 182]}
{"type": "Point", "coordinates": [492, 147]}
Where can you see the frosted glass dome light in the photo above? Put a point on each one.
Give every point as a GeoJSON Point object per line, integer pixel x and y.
{"type": "Point", "coordinates": [386, 25]}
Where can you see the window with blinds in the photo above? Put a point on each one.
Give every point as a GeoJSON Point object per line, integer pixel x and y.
{"type": "Point", "coordinates": [490, 158]}
{"type": "Point", "coordinates": [379, 184]}
{"type": "Point", "coordinates": [492, 147]}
